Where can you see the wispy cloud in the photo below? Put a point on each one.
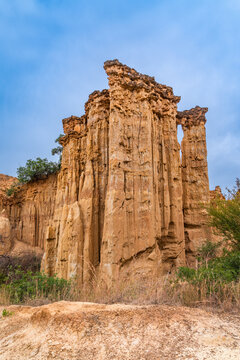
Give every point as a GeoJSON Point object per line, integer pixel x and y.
{"type": "Point", "coordinates": [51, 58]}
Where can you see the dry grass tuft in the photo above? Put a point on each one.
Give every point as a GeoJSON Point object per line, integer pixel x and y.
{"type": "Point", "coordinates": [139, 291]}
{"type": "Point", "coordinates": [151, 292]}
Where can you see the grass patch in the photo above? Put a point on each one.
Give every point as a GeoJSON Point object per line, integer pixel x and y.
{"type": "Point", "coordinates": [6, 313]}
{"type": "Point", "coordinates": [23, 286]}
{"type": "Point", "coordinates": [38, 289]}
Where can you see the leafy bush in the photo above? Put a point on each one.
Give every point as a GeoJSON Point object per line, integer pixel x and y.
{"type": "Point", "coordinates": [36, 169]}
{"type": "Point", "coordinates": [58, 150]}
{"type": "Point", "coordinates": [224, 269]}
{"type": "Point", "coordinates": [21, 281]}
{"type": "Point", "coordinates": [26, 261]}
{"type": "Point", "coordinates": [13, 189]}
{"type": "Point", "coordinates": [186, 273]}
{"type": "Point", "coordinates": [225, 216]}
{"type": "Point", "coordinates": [24, 285]}
{"type": "Point", "coordinates": [208, 251]}
{"type": "Point", "coordinates": [6, 313]}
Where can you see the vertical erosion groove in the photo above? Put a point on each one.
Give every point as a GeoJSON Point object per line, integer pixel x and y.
{"type": "Point", "coordinates": [116, 208]}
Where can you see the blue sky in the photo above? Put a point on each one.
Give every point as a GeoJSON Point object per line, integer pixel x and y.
{"type": "Point", "coordinates": [52, 53]}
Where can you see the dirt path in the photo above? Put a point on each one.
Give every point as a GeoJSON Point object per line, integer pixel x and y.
{"type": "Point", "coordinates": [86, 331]}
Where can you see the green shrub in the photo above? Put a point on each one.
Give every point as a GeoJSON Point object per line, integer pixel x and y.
{"type": "Point", "coordinates": [215, 271]}
{"type": "Point", "coordinates": [24, 285]}
{"type": "Point", "coordinates": [225, 216]}
{"type": "Point", "coordinates": [36, 169]}
{"type": "Point", "coordinates": [220, 269]}
{"type": "Point", "coordinates": [26, 261]}
{"type": "Point", "coordinates": [185, 273]}
{"type": "Point", "coordinates": [207, 251]}
{"type": "Point", "coordinates": [58, 150]}
{"type": "Point", "coordinates": [13, 189]}
{"type": "Point", "coordinates": [6, 313]}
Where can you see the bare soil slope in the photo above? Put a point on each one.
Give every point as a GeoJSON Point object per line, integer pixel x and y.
{"type": "Point", "coordinates": [87, 331]}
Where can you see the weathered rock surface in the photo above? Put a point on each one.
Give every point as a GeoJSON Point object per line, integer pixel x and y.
{"type": "Point", "coordinates": [216, 193]}
{"type": "Point", "coordinates": [25, 216]}
{"type": "Point", "coordinates": [194, 179]}
{"type": "Point", "coordinates": [119, 193]}
{"type": "Point", "coordinates": [143, 215]}
{"type": "Point", "coordinates": [5, 228]}
{"type": "Point", "coordinates": [5, 183]}
{"type": "Point", "coordinates": [123, 199]}
{"type": "Point", "coordinates": [121, 332]}
{"type": "Point", "coordinates": [5, 233]}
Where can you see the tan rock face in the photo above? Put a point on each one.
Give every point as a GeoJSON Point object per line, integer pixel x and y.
{"type": "Point", "coordinates": [5, 183]}
{"type": "Point", "coordinates": [143, 216]}
{"type": "Point", "coordinates": [5, 228]}
{"type": "Point", "coordinates": [28, 213]}
{"type": "Point", "coordinates": [122, 200]}
{"type": "Point", "coordinates": [5, 233]}
{"type": "Point", "coordinates": [75, 233]}
{"type": "Point", "coordinates": [119, 197]}
{"type": "Point", "coordinates": [216, 193]}
{"type": "Point", "coordinates": [195, 180]}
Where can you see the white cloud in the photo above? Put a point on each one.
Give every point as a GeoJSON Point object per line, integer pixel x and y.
{"type": "Point", "coordinates": [14, 7]}
{"type": "Point", "coordinates": [63, 52]}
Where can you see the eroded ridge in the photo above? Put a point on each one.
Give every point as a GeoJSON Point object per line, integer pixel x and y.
{"type": "Point", "coordinates": [123, 203]}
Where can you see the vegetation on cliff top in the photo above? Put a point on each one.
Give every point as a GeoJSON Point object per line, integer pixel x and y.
{"type": "Point", "coordinates": [58, 150]}
{"type": "Point", "coordinates": [37, 169]}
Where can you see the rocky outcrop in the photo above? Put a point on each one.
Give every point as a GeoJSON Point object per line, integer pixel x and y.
{"type": "Point", "coordinates": [194, 179]}
{"type": "Point", "coordinates": [143, 217]}
{"type": "Point", "coordinates": [26, 214]}
{"type": "Point", "coordinates": [123, 203]}
{"type": "Point", "coordinates": [74, 236]}
{"type": "Point", "coordinates": [216, 193]}
{"type": "Point", "coordinates": [5, 183]}
{"type": "Point", "coordinates": [119, 195]}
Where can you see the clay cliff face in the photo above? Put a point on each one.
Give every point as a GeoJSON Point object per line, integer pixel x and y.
{"type": "Point", "coordinates": [5, 228]}
{"type": "Point", "coordinates": [5, 182]}
{"type": "Point", "coordinates": [123, 203]}
{"type": "Point", "coordinates": [143, 216]}
{"type": "Point", "coordinates": [26, 215]}
{"type": "Point", "coordinates": [119, 201]}
{"type": "Point", "coordinates": [119, 194]}
{"type": "Point", "coordinates": [74, 236]}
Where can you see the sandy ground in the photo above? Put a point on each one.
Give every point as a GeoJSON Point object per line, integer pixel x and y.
{"type": "Point", "coordinates": [66, 330]}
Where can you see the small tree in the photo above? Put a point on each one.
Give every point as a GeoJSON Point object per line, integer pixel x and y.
{"type": "Point", "coordinates": [225, 216]}
{"type": "Point", "coordinates": [58, 150]}
{"type": "Point", "coordinates": [207, 251]}
{"type": "Point", "coordinates": [36, 169]}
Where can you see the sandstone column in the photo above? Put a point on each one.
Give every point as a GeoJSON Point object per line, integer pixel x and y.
{"type": "Point", "coordinates": [195, 179]}
{"type": "Point", "coordinates": [64, 234]}
{"type": "Point", "coordinates": [5, 233]}
{"type": "Point", "coordinates": [143, 224]}
{"type": "Point", "coordinates": [74, 235]}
